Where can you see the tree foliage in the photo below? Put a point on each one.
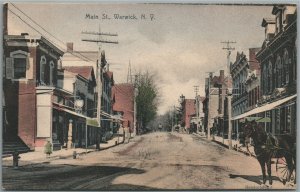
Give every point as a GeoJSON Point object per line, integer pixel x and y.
{"type": "Point", "coordinates": [147, 99]}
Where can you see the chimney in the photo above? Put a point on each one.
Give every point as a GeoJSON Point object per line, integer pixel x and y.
{"type": "Point", "coordinates": [69, 47]}
{"type": "Point", "coordinates": [221, 75]}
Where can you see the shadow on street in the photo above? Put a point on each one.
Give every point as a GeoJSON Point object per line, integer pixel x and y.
{"type": "Point", "coordinates": [254, 178]}
{"type": "Point", "coordinates": [66, 177]}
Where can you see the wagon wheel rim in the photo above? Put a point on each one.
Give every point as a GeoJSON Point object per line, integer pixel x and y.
{"type": "Point", "coordinates": [283, 172]}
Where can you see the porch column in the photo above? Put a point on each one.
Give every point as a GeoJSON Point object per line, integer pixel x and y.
{"type": "Point", "coordinates": [69, 144]}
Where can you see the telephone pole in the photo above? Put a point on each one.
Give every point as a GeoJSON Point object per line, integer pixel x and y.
{"type": "Point", "coordinates": [209, 124]}
{"type": "Point", "coordinates": [100, 65]}
{"type": "Point", "coordinates": [228, 48]}
{"type": "Point", "coordinates": [196, 89]}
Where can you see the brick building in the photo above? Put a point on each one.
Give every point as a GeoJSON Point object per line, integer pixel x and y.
{"type": "Point", "coordinates": [188, 106]}
{"type": "Point", "coordinates": [245, 72]}
{"type": "Point", "coordinates": [123, 103]}
{"type": "Point", "coordinates": [277, 104]}
{"type": "Point", "coordinates": [30, 63]}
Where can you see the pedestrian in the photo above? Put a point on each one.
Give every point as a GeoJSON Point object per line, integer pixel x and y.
{"type": "Point", "coordinates": [48, 149]}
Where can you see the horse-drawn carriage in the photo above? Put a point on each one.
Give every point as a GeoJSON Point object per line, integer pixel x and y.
{"type": "Point", "coordinates": [269, 149]}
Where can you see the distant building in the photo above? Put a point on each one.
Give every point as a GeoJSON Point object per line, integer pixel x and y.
{"type": "Point", "coordinates": [253, 80]}
{"type": "Point", "coordinates": [81, 83]}
{"type": "Point", "coordinates": [245, 72]}
{"type": "Point", "coordinates": [213, 104]}
{"type": "Point", "coordinates": [188, 106]}
{"type": "Point", "coordinates": [104, 81]}
{"type": "Point", "coordinates": [123, 103]}
{"type": "Point", "coordinates": [106, 103]}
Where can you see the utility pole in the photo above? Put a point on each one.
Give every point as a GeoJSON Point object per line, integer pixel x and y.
{"type": "Point", "coordinates": [209, 106]}
{"type": "Point", "coordinates": [196, 89]}
{"type": "Point", "coordinates": [99, 77]}
{"type": "Point", "coordinates": [134, 102]}
{"type": "Point", "coordinates": [228, 48]}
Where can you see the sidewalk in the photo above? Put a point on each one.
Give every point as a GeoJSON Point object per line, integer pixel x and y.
{"type": "Point", "coordinates": [235, 144]}
{"type": "Point", "coordinates": [40, 157]}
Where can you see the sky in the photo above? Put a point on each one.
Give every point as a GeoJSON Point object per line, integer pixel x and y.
{"type": "Point", "coordinates": [179, 44]}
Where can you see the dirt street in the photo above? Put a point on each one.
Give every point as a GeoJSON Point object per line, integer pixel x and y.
{"type": "Point", "coordinates": [155, 161]}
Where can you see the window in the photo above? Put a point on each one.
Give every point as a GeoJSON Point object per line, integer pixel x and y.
{"type": "Point", "coordinates": [286, 67]}
{"type": "Point", "coordinates": [19, 65]}
{"type": "Point", "coordinates": [19, 68]}
{"type": "Point", "coordinates": [51, 72]}
{"type": "Point", "coordinates": [269, 83]}
{"type": "Point", "coordinates": [42, 70]}
{"type": "Point", "coordinates": [278, 77]}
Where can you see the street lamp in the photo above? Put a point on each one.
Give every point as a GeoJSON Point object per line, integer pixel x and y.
{"type": "Point", "coordinates": [78, 104]}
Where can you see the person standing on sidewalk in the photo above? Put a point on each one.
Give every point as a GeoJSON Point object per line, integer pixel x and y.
{"type": "Point", "coordinates": [48, 149]}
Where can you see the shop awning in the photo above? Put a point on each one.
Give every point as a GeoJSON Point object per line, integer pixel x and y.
{"type": "Point", "coordinates": [90, 121]}
{"type": "Point", "coordinates": [264, 108]}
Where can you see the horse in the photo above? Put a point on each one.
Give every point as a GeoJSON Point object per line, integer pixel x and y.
{"type": "Point", "coordinates": [266, 146]}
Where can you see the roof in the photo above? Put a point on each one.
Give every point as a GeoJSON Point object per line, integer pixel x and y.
{"type": "Point", "coordinates": [39, 39]}
{"type": "Point", "coordinates": [123, 95]}
{"type": "Point", "coordinates": [84, 71]}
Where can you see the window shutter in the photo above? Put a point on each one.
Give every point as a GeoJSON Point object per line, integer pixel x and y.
{"type": "Point", "coordinates": [29, 68]}
{"type": "Point", "coordinates": [9, 68]}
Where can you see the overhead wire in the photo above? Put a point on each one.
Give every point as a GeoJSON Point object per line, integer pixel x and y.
{"type": "Point", "coordinates": [123, 92]}
{"type": "Point", "coordinates": [64, 49]}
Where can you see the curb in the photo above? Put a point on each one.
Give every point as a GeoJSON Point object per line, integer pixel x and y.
{"type": "Point", "coordinates": [226, 146]}
{"type": "Point", "coordinates": [56, 157]}
{"type": "Point", "coordinates": [235, 149]}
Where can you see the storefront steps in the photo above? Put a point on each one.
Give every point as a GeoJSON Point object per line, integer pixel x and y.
{"type": "Point", "coordinates": [15, 145]}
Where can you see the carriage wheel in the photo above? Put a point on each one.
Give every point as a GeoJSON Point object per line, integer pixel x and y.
{"type": "Point", "coordinates": [283, 171]}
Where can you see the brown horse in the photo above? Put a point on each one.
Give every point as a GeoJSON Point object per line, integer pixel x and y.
{"type": "Point", "coordinates": [267, 146]}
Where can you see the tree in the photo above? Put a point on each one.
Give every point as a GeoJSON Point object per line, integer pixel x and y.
{"type": "Point", "coordinates": [147, 99]}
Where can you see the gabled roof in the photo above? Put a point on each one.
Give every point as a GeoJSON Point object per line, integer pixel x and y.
{"type": "Point", "coordinates": [84, 71]}
{"type": "Point", "coordinates": [123, 94]}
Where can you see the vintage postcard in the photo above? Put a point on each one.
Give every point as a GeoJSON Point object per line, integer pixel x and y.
{"type": "Point", "coordinates": [149, 96]}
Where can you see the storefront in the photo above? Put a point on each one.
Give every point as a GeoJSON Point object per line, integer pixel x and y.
{"type": "Point", "coordinates": [278, 117]}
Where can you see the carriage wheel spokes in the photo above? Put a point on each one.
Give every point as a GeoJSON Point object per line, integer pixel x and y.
{"type": "Point", "coordinates": [283, 172]}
